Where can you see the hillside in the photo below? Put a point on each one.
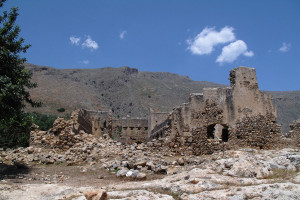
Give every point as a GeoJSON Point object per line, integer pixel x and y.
{"type": "Point", "coordinates": [288, 107]}
{"type": "Point", "coordinates": [127, 91]}
{"type": "Point", "coordinates": [124, 90]}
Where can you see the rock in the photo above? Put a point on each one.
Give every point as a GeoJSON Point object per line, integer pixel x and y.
{"type": "Point", "coordinates": [114, 166]}
{"type": "Point", "coordinates": [141, 163]}
{"type": "Point", "coordinates": [150, 144]}
{"type": "Point", "coordinates": [83, 170]}
{"type": "Point", "coordinates": [135, 173]}
{"type": "Point", "coordinates": [30, 150]}
{"type": "Point", "coordinates": [194, 181]}
{"type": "Point", "coordinates": [297, 178]}
{"type": "Point", "coordinates": [129, 173]}
{"type": "Point", "coordinates": [180, 161]}
{"type": "Point", "coordinates": [228, 164]}
{"type": "Point", "coordinates": [122, 173]}
{"type": "Point", "coordinates": [100, 176]}
{"type": "Point", "coordinates": [96, 195]}
{"type": "Point", "coordinates": [141, 176]}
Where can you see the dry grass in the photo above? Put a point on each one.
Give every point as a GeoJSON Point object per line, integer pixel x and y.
{"type": "Point", "coordinates": [175, 196]}
{"type": "Point", "coordinates": [281, 174]}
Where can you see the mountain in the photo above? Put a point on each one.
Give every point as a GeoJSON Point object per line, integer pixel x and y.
{"type": "Point", "coordinates": [127, 91]}
{"type": "Point", "coordinates": [288, 107]}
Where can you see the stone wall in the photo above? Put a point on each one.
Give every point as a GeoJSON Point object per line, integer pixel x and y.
{"type": "Point", "coordinates": [221, 118]}
{"type": "Point", "coordinates": [156, 118]}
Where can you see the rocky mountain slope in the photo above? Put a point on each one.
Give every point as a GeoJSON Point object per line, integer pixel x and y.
{"type": "Point", "coordinates": [127, 91]}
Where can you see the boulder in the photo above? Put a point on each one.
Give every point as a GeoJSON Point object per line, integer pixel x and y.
{"type": "Point", "coordinates": [30, 150]}
{"type": "Point", "coordinates": [122, 173]}
{"type": "Point", "coordinates": [96, 195]}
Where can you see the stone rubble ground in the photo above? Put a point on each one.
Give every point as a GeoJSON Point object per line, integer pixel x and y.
{"type": "Point", "coordinates": [239, 174]}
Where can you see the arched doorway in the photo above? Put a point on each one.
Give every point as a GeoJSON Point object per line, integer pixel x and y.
{"type": "Point", "coordinates": [218, 131]}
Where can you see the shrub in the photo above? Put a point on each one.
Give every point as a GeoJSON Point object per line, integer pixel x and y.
{"type": "Point", "coordinates": [45, 122]}
{"type": "Point", "coordinates": [61, 110]}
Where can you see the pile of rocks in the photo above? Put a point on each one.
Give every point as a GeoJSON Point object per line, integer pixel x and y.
{"type": "Point", "coordinates": [63, 135]}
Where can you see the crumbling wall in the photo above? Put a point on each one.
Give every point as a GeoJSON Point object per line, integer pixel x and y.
{"type": "Point", "coordinates": [295, 132]}
{"type": "Point", "coordinates": [84, 122]}
{"type": "Point", "coordinates": [101, 122]}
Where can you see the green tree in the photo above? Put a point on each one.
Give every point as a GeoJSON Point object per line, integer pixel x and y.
{"type": "Point", "coordinates": [14, 83]}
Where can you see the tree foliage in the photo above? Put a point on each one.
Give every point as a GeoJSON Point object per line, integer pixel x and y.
{"type": "Point", "coordinates": [14, 83]}
{"type": "Point", "coordinates": [45, 122]}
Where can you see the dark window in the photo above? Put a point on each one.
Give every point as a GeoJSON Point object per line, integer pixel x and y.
{"type": "Point", "coordinates": [225, 134]}
{"type": "Point", "coordinates": [210, 131]}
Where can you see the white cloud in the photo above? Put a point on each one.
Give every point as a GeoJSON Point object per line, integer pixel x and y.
{"type": "Point", "coordinates": [232, 51]}
{"type": "Point", "coordinates": [86, 62]}
{"type": "Point", "coordinates": [122, 35]}
{"type": "Point", "coordinates": [285, 47]}
{"type": "Point", "coordinates": [205, 41]}
{"type": "Point", "coordinates": [89, 43]}
{"type": "Point", "coordinates": [75, 40]}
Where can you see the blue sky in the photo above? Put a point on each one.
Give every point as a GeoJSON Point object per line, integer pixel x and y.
{"type": "Point", "coordinates": [201, 39]}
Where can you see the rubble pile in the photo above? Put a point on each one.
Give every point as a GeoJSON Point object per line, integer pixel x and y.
{"type": "Point", "coordinates": [64, 143]}
{"type": "Point", "coordinates": [63, 135]}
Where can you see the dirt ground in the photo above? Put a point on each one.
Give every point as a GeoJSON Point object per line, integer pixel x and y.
{"type": "Point", "coordinates": [74, 176]}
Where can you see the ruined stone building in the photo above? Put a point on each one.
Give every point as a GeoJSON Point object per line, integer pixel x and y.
{"type": "Point", "coordinates": [128, 130]}
{"type": "Point", "coordinates": [240, 115]}
{"type": "Point", "coordinates": [219, 118]}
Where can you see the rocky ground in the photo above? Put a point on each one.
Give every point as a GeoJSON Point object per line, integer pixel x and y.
{"type": "Point", "coordinates": [64, 164]}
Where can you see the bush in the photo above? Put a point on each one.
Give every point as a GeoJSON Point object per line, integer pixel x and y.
{"type": "Point", "coordinates": [45, 122]}
{"type": "Point", "coordinates": [61, 110]}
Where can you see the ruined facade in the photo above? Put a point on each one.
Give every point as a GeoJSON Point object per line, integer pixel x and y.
{"type": "Point", "coordinates": [219, 118]}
